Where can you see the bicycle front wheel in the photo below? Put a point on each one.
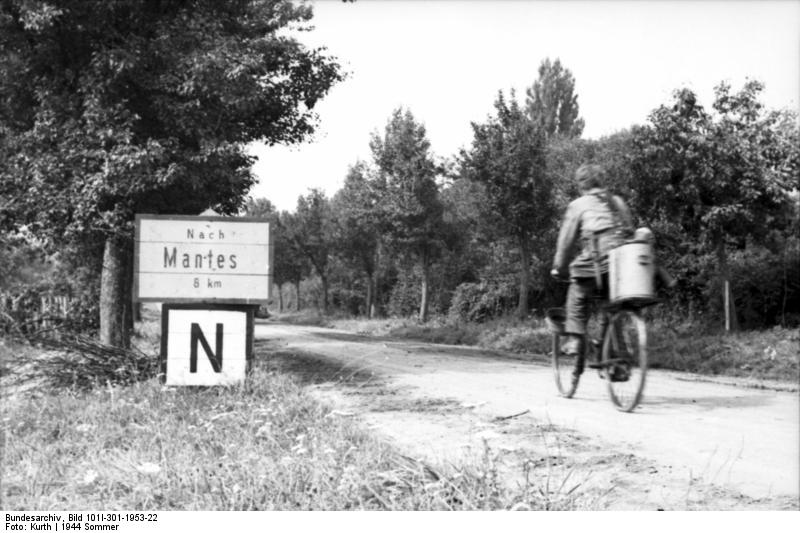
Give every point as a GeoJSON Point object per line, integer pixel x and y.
{"type": "Point", "coordinates": [625, 359]}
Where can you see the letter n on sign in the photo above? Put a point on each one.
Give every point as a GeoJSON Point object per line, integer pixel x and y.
{"type": "Point", "coordinates": [205, 344]}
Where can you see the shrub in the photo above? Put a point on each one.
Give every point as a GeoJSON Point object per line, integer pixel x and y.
{"type": "Point", "coordinates": [478, 302]}
{"type": "Point", "coordinates": [765, 287]}
{"type": "Point", "coordinates": [21, 310]}
{"type": "Point", "coordinates": [83, 315]}
{"type": "Point", "coordinates": [347, 300]}
{"type": "Point", "coordinates": [404, 299]}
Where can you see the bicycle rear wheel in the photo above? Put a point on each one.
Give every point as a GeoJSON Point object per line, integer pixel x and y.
{"type": "Point", "coordinates": [563, 366]}
{"type": "Point", "coordinates": [625, 359]}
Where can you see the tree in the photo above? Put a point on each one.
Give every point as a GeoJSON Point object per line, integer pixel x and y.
{"type": "Point", "coordinates": [312, 233]}
{"type": "Point", "coordinates": [108, 109]}
{"type": "Point", "coordinates": [410, 196]}
{"type": "Point", "coordinates": [290, 265]}
{"type": "Point", "coordinates": [508, 157]}
{"type": "Point", "coordinates": [722, 177]}
{"type": "Point", "coordinates": [260, 208]}
{"type": "Point", "coordinates": [552, 103]}
{"type": "Point", "coordinates": [263, 208]}
{"type": "Point", "coordinates": [356, 209]}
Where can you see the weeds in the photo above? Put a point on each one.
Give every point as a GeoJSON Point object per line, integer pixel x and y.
{"type": "Point", "coordinates": [74, 361]}
{"type": "Point", "coordinates": [519, 336]}
{"type": "Point", "coordinates": [769, 354]}
{"type": "Point", "coordinates": [263, 445]}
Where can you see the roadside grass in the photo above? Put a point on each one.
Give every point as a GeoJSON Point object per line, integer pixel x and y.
{"type": "Point", "coordinates": [507, 334]}
{"type": "Point", "coordinates": [308, 317]}
{"type": "Point", "coordinates": [674, 345]}
{"type": "Point", "coordinates": [11, 353]}
{"type": "Point", "coordinates": [761, 355]}
{"type": "Point", "coordinates": [264, 445]}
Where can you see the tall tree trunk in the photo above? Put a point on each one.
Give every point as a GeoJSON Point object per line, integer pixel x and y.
{"type": "Point", "coordinates": [113, 294]}
{"type": "Point", "coordinates": [729, 306]}
{"type": "Point", "coordinates": [370, 295]}
{"type": "Point", "coordinates": [130, 307]}
{"type": "Point", "coordinates": [423, 304]}
{"type": "Point", "coordinates": [297, 295]}
{"type": "Point", "coordinates": [373, 312]}
{"type": "Point", "coordinates": [280, 299]}
{"type": "Point", "coordinates": [136, 306]}
{"type": "Point", "coordinates": [524, 276]}
{"type": "Point", "coordinates": [324, 280]}
{"type": "Point", "coordinates": [785, 288]}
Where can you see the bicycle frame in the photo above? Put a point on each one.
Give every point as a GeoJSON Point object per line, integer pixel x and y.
{"type": "Point", "coordinates": [620, 358]}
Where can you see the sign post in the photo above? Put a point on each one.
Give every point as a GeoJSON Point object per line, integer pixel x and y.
{"type": "Point", "coordinates": [211, 274]}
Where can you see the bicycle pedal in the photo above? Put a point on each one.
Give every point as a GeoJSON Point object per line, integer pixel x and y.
{"type": "Point", "coordinates": [620, 375]}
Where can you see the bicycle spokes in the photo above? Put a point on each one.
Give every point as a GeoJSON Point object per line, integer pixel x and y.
{"type": "Point", "coordinates": [625, 359]}
{"type": "Point", "coordinates": [567, 369]}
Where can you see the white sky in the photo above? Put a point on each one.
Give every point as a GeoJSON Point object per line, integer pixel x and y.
{"type": "Point", "coordinates": [446, 60]}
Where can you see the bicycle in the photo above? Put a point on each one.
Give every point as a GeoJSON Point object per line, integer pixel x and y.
{"type": "Point", "coordinates": [619, 354]}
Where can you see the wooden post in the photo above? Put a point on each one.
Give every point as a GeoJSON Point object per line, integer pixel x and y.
{"type": "Point", "coordinates": [727, 303]}
{"type": "Point", "coordinates": [43, 312]}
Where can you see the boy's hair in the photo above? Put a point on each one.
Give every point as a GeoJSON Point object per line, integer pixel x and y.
{"type": "Point", "coordinates": [590, 176]}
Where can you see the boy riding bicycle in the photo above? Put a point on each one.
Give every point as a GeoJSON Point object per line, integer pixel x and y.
{"type": "Point", "coordinates": [597, 221]}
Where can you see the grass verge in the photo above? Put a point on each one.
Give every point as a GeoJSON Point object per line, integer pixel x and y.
{"type": "Point", "coordinates": [761, 355]}
{"type": "Point", "coordinates": [266, 445]}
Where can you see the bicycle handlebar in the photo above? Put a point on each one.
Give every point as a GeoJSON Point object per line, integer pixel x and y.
{"type": "Point", "coordinates": [556, 275]}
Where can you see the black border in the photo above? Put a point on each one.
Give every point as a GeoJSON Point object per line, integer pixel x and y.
{"type": "Point", "coordinates": [211, 301]}
{"type": "Point", "coordinates": [250, 310]}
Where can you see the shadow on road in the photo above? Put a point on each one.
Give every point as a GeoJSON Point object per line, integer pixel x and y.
{"type": "Point", "coordinates": [308, 368]}
{"type": "Point", "coordinates": [708, 402]}
{"type": "Point", "coordinates": [422, 347]}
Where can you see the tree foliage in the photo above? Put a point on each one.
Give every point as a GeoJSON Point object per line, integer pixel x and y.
{"type": "Point", "coordinates": [411, 207]}
{"type": "Point", "coordinates": [552, 103]}
{"type": "Point", "coordinates": [311, 231]}
{"type": "Point", "coordinates": [514, 180]}
{"type": "Point", "coordinates": [113, 108]}
{"type": "Point", "coordinates": [120, 107]}
{"type": "Point", "coordinates": [508, 158]}
{"type": "Point", "coordinates": [291, 264]}
{"type": "Point", "coordinates": [720, 178]}
{"type": "Point", "coordinates": [357, 215]}
{"type": "Point", "coordinates": [723, 176]}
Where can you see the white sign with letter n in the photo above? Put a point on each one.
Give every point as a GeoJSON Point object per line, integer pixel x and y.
{"type": "Point", "coordinates": [209, 345]}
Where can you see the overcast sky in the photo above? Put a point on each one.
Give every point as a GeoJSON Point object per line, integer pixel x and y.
{"type": "Point", "coordinates": [446, 60]}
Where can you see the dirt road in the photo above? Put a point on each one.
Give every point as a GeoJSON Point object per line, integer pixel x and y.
{"type": "Point", "coordinates": [692, 444]}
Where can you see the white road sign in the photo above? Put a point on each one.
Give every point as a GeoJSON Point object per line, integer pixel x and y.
{"type": "Point", "coordinates": [205, 346]}
{"type": "Point", "coordinates": [203, 259]}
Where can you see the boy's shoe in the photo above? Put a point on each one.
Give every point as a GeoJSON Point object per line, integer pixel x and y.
{"type": "Point", "coordinates": [578, 370]}
{"type": "Point", "coordinates": [619, 373]}
{"type": "Point", "coordinates": [572, 346]}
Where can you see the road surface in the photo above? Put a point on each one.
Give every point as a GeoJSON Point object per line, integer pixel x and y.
{"type": "Point", "coordinates": [692, 444]}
